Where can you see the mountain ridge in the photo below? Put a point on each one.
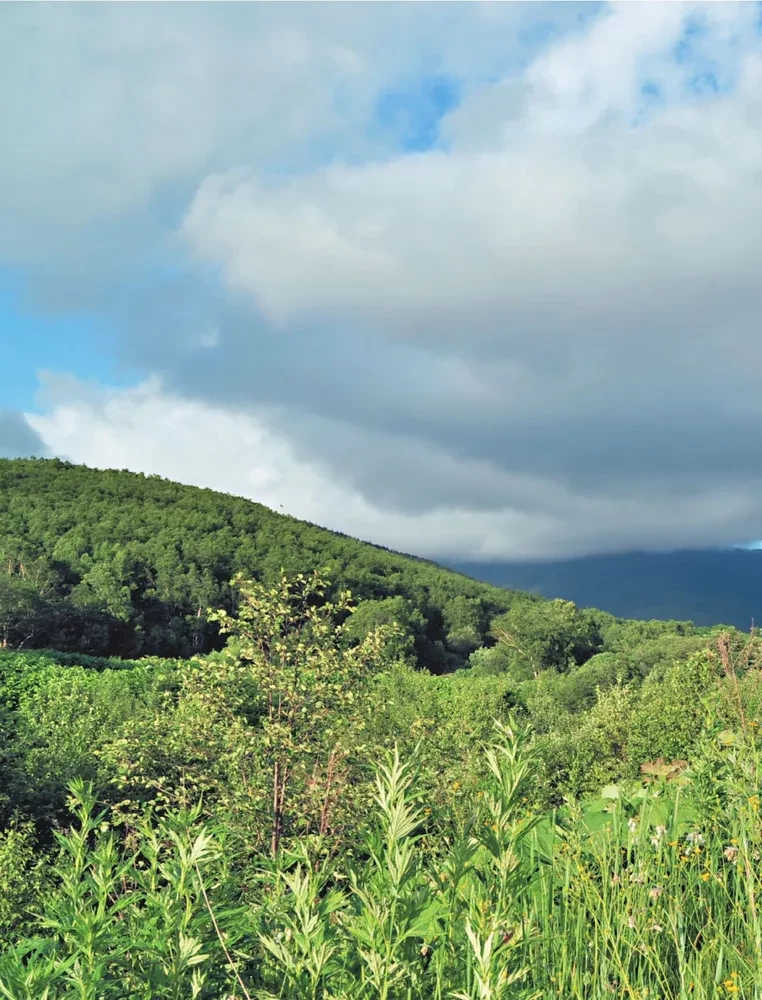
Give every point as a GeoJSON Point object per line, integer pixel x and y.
{"type": "Point", "coordinates": [718, 584]}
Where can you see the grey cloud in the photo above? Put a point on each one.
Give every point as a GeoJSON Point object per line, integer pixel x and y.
{"type": "Point", "coordinates": [583, 308]}
{"type": "Point", "coordinates": [18, 439]}
{"type": "Point", "coordinates": [548, 331]}
{"type": "Point", "coordinates": [119, 112]}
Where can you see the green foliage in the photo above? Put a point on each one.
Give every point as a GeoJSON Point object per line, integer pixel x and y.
{"type": "Point", "coordinates": [122, 923]}
{"type": "Point", "coordinates": [546, 635]}
{"type": "Point", "coordinates": [289, 651]}
{"type": "Point", "coordinates": [305, 813]}
{"type": "Point", "coordinates": [643, 891]}
{"type": "Point", "coordinates": [59, 718]}
{"type": "Point", "coordinates": [445, 719]}
{"type": "Point", "coordinates": [576, 690]}
{"type": "Point", "coordinates": [407, 645]}
{"type": "Point", "coordinates": [113, 562]}
{"type": "Point", "coordinates": [674, 707]}
{"type": "Point", "coordinates": [490, 660]}
{"type": "Point", "coordinates": [620, 634]}
{"type": "Point", "coordinates": [21, 879]}
{"type": "Point", "coordinates": [466, 623]}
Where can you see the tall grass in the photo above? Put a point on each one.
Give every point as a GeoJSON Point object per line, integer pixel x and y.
{"type": "Point", "coordinates": [651, 892]}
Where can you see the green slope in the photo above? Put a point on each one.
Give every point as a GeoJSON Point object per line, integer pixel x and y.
{"type": "Point", "coordinates": [114, 562]}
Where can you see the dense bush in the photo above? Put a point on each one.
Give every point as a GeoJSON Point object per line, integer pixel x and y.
{"type": "Point", "coordinates": [304, 813]}
{"type": "Point", "coordinates": [650, 891]}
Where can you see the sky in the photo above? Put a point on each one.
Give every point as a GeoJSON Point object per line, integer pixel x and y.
{"type": "Point", "coordinates": [470, 280]}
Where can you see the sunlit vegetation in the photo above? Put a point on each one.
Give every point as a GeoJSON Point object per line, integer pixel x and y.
{"type": "Point", "coordinates": [117, 563]}
{"type": "Point", "coordinates": [564, 805]}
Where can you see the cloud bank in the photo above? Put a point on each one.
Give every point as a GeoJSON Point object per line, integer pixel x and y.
{"type": "Point", "coordinates": [531, 333]}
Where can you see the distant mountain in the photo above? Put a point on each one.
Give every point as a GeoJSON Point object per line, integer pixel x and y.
{"type": "Point", "coordinates": [705, 586]}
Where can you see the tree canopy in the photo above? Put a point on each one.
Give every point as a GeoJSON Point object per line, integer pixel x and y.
{"type": "Point", "coordinates": [119, 563]}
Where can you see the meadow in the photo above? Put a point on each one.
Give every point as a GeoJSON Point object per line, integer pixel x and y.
{"type": "Point", "coordinates": [297, 816]}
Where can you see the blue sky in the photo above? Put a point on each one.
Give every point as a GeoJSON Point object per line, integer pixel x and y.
{"type": "Point", "coordinates": [35, 342]}
{"type": "Point", "coordinates": [458, 274]}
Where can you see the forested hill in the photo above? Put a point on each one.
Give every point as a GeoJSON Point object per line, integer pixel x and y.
{"type": "Point", "coordinates": [113, 562]}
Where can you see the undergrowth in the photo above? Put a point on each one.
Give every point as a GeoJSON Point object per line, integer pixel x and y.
{"type": "Point", "coordinates": [650, 892]}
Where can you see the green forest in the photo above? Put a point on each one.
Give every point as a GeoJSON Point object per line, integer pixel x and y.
{"type": "Point", "coordinates": [243, 756]}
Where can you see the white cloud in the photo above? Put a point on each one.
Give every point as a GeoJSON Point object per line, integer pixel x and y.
{"type": "Point", "coordinates": [538, 340]}
{"type": "Point", "coordinates": [117, 107]}
{"type": "Point", "coordinates": [573, 286]}
{"type": "Point", "coordinates": [585, 234]}
{"type": "Point", "coordinates": [149, 430]}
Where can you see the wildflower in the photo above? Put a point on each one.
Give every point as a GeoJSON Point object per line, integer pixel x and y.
{"type": "Point", "coordinates": [754, 802]}
{"type": "Point", "coordinates": [659, 832]}
{"type": "Point", "coordinates": [631, 922]}
{"type": "Point", "coordinates": [615, 879]}
{"type": "Point", "coordinates": [730, 984]}
{"type": "Point", "coordinates": [731, 853]}
{"type": "Point", "coordinates": [455, 786]}
{"type": "Point", "coordinates": [632, 825]}
{"type": "Point", "coordinates": [695, 837]}
{"type": "Point", "coordinates": [655, 892]}
{"type": "Point", "coordinates": [656, 928]}
{"type": "Point", "coordinates": [705, 876]}
{"type": "Point", "coordinates": [673, 843]}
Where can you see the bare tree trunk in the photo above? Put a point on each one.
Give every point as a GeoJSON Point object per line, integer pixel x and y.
{"type": "Point", "coordinates": [280, 781]}
{"type": "Point", "coordinates": [275, 836]}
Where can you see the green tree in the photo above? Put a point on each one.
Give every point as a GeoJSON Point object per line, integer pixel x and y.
{"type": "Point", "coordinates": [371, 615]}
{"type": "Point", "coordinates": [288, 642]}
{"type": "Point", "coordinates": [674, 708]}
{"type": "Point", "coordinates": [465, 623]}
{"type": "Point", "coordinates": [545, 635]}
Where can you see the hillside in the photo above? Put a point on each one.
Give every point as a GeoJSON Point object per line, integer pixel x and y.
{"type": "Point", "coordinates": [705, 586]}
{"type": "Point", "coordinates": [118, 563]}
{"type": "Point", "coordinates": [270, 819]}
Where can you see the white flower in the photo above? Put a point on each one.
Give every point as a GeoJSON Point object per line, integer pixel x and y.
{"type": "Point", "coordinates": [658, 836]}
